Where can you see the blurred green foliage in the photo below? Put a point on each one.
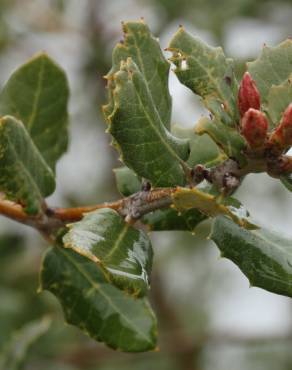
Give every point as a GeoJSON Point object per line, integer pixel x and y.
{"type": "Point", "coordinates": [182, 304]}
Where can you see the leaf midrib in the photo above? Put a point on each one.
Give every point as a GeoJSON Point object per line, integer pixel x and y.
{"type": "Point", "coordinates": [153, 126]}
{"type": "Point", "coordinates": [37, 94]}
{"type": "Point", "coordinates": [218, 87]}
{"type": "Point", "coordinates": [117, 242]}
{"type": "Point", "coordinates": [25, 170]}
{"type": "Point", "coordinates": [147, 81]}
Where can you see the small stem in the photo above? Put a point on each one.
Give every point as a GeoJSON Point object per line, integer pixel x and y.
{"type": "Point", "coordinates": [225, 177]}
{"type": "Point", "coordinates": [132, 208]}
{"type": "Point", "coordinates": [75, 214]}
{"type": "Point", "coordinates": [138, 204]}
{"type": "Point", "coordinates": [281, 165]}
{"type": "Point", "coordinates": [15, 212]}
{"type": "Point", "coordinates": [187, 171]}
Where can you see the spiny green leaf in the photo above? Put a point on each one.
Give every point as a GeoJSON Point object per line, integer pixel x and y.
{"type": "Point", "coordinates": [208, 204]}
{"type": "Point", "coordinates": [170, 219]}
{"type": "Point", "coordinates": [207, 72]}
{"type": "Point", "coordinates": [127, 181]}
{"type": "Point", "coordinates": [279, 98]}
{"type": "Point", "coordinates": [24, 176]}
{"type": "Point", "coordinates": [146, 145]}
{"type": "Point", "coordinates": [203, 149]}
{"type": "Point", "coordinates": [123, 253]}
{"type": "Point", "coordinates": [13, 354]}
{"type": "Point", "coordinates": [262, 255]}
{"type": "Point", "coordinates": [227, 138]}
{"type": "Point", "coordinates": [91, 303]}
{"type": "Point", "coordinates": [272, 67]}
{"type": "Point", "coordinates": [37, 94]}
{"type": "Point", "coordinates": [140, 45]}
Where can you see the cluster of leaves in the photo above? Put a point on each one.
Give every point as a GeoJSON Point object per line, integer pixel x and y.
{"type": "Point", "coordinates": [99, 267]}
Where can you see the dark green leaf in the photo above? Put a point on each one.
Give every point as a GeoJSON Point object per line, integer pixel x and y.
{"type": "Point", "coordinates": [91, 303]}
{"type": "Point", "coordinates": [13, 355]}
{"type": "Point", "coordinates": [171, 219]}
{"type": "Point", "coordinates": [24, 176]}
{"type": "Point", "coordinates": [122, 252]}
{"type": "Point", "coordinates": [127, 181]}
{"type": "Point", "coordinates": [140, 45]}
{"type": "Point", "coordinates": [144, 142]}
{"type": "Point", "coordinates": [37, 94]}
{"type": "Point", "coordinates": [273, 67]}
{"type": "Point", "coordinates": [262, 255]}
{"type": "Point", "coordinates": [207, 72]}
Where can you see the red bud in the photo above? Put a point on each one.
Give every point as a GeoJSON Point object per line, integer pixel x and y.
{"type": "Point", "coordinates": [248, 95]}
{"type": "Point", "coordinates": [254, 127]}
{"type": "Point", "coordinates": [282, 135]}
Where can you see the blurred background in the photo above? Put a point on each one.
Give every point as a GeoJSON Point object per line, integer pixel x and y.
{"type": "Point", "coordinates": [209, 318]}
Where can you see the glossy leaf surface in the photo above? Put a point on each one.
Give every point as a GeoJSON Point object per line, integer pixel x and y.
{"type": "Point", "coordinates": [97, 307]}
{"type": "Point", "coordinates": [37, 94]}
{"type": "Point", "coordinates": [24, 176]}
{"type": "Point", "coordinates": [263, 256]}
{"type": "Point", "coordinates": [123, 253]}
